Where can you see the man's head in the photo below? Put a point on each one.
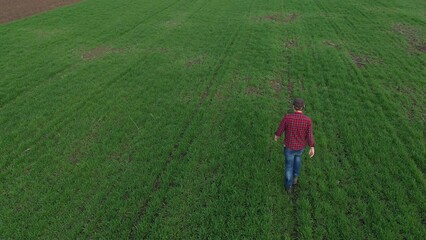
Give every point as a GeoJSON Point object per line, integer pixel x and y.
{"type": "Point", "coordinates": [298, 104]}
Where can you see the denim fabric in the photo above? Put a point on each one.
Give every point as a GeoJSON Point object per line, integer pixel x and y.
{"type": "Point", "coordinates": [293, 163]}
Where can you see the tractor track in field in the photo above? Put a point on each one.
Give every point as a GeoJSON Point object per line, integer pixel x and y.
{"type": "Point", "coordinates": [57, 123]}
{"type": "Point", "coordinates": [343, 151]}
{"type": "Point", "coordinates": [217, 70]}
{"type": "Point", "coordinates": [361, 81]}
{"type": "Point", "coordinates": [182, 155]}
{"type": "Point", "coordinates": [295, 234]}
{"type": "Point", "coordinates": [64, 70]}
{"type": "Point", "coordinates": [286, 84]}
{"type": "Point", "coordinates": [156, 185]}
{"type": "Point", "coordinates": [62, 120]}
{"type": "Point", "coordinates": [148, 18]}
{"type": "Point", "coordinates": [371, 85]}
{"type": "Point", "coordinates": [174, 153]}
{"type": "Point", "coordinates": [70, 66]}
{"type": "Point", "coordinates": [50, 77]}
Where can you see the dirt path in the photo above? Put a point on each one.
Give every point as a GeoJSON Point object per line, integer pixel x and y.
{"type": "Point", "coordinates": [11, 10]}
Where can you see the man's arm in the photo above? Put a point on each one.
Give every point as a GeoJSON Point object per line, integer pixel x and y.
{"type": "Point", "coordinates": [311, 141]}
{"type": "Point", "coordinates": [280, 129]}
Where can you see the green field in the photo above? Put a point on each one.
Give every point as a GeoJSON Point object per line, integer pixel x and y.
{"type": "Point", "coordinates": [155, 120]}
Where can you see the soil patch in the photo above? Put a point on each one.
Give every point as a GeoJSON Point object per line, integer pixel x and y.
{"type": "Point", "coordinates": [271, 17]}
{"type": "Point", "coordinates": [204, 95]}
{"type": "Point", "coordinates": [291, 43]}
{"type": "Point", "coordinates": [216, 169]}
{"type": "Point", "coordinates": [331, 44]}
{"type": "Point", "coordinates": [276, 85]}
{"type": "Point", "coordinates": [173, 24]}
{"type": "Point", "coordinates": [125, 196]}
{"type": "Point", "coordinates": [411, 105]}
{"type": "Point", "coordinates": [11, 10]}
{"type": "Point", "coordinates": [291, 18]}
{"type": "Point", "coordinates": [75, 157]}
{"type": "Point", "coordinates": [302, 81]}
{"type": "Point", "coordinates": [252, 91]}
{"type": "Point", "coordinates": [219, 95]}
{"type": "Point", "coordinates": [158, 50]}
{"type": "Point", "coordinates": [325, 14]}
{"type": "Point", "coordinates": [360, 61]}
{"type": "Point", "coordinates": [280, 18]}
{"type": "Point", "coordinates": [290, 89]}
{"type": "Point", "coordinates": [413, 38]}
{"type": "Point", "coordinates": [46, 34]}
{"type": "Point", "coordinates": [192, 62]}
{"type": "Point", "coordinates": [99, 52]}
{"type": "Point", "coordinates": [114, 156]}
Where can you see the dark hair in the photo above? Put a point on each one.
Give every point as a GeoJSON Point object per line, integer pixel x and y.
{"type": "Point", "coordinates": [298, 104]}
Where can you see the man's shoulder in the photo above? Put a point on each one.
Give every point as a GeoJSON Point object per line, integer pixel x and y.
{"type": "Point", "coordinates": [290, 115]}
{"type": "Point", "coordinates": [298, 116]}
{"type": "Point", "coordinates": [302, 117]}
{"type": "Point", "coordinates": [306, 117]}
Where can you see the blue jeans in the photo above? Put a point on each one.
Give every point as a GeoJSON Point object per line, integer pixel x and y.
{"type": "Point", "coordinates": [293, 162]}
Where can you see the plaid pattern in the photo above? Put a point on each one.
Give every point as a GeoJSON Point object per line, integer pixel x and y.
{"type": "Point", "coordinates": [298, 131]}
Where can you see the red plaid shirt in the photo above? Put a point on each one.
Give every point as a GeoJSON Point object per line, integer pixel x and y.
{"type": "Point", "coordinates": [298, 131]}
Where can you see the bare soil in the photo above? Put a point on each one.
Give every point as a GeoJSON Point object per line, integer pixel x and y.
{"type": "Point", "coordinates": [114, 156]}
{"type": "Point", "coordinates": [219, 95]}
{"type": "Point", "coordinates": [99, 52]}
{"type": "Point", "coordinates": [331, 44]}
{"type": "Point", "coordinates": [291, 43]}
{"type": "Point", "coordinates": [75, 157]}
{"type": "Point", "coordinates": [204, 95]}
{"type": "Point", "coordinates": [416, 43]}
{"type": "Point", "coordinates": [290, 89]}
{"type": "Point", "coordinates": [360, 61]}
{"type": "Point", "coordinates": [192, 62]}
{"type": "Point", "coordinates": [280, 18]}
{"type": "Point", "coordinates": [292, 17]}
{"type": "Point", "coordinates": [276, 85]}
{"type": "Point", "coordinates": [252, 91]}
{"type": "Point", "coordinates": [302, 81]}
{"type": "Point", "coordinates": [271, 17]}
{"type": "Point", "coordinates": [11, 10]}
{"type": "Point", "coordinates": [411, 105]}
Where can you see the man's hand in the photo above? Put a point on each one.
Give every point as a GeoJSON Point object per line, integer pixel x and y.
{"type": "Point", "coordinates": [311, 152]}
{"type": "Point", "coordinates": [276, 138]}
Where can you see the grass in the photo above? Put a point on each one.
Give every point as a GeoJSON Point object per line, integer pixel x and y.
{"type": "Point", "coordinates": [166, 130]}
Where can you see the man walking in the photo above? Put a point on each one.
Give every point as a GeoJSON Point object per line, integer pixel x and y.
{"type": "Point", "coordinates": [298, 133]}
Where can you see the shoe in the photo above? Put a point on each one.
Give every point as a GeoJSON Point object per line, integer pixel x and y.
{"type": "Point", "coordinates": [289, 190]}
{"type": "Point", "coordinates": [295, 180]}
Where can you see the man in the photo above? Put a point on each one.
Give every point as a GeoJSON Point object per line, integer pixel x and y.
{"type": "Point", "coordinates": [298, 133]}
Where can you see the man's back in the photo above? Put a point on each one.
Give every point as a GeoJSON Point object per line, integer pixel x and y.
{"type": "Point", "coordinates": [298, 131]}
